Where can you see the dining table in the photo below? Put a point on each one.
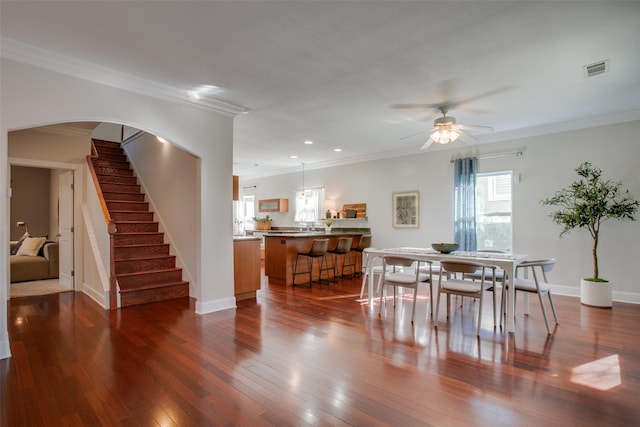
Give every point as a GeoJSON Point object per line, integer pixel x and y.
{"type": "Point", "coordinates": [506, 261]}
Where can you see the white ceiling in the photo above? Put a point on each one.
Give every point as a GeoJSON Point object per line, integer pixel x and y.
{"type": "Point", "coordinates": [331, 71]}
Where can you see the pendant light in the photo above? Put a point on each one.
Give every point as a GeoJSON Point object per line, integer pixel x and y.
{"type": "Point", "coordinates": [303, 194]}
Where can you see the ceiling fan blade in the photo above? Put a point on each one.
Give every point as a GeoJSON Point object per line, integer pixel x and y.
{"type": "Point", "coordinates": [472, 110]}
{"type": "Point", "coordinates": [467, 139]}
{"type": "Point", "coordinates": [415, 106]}
{"type": "Point", "coordinates": [480, 96]}
{"type": "Point", "coordinates": [412, 135]}
{"type": "Point", "coordinates": [427, 144]}
{"type": "Point", "coordinates": [475, 127]}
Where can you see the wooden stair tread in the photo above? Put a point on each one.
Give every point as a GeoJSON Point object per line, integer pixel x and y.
{"type": "Point", "coordinates": [114, 169]}
{"type": "Point", "coordinates": [114, 173]}
{"type": "Point", "coordinates": [107, 175]}
{"type": "Point", "coordinates": [142, 273]}
{"type": "Point", "coordinates": [145, 245]}
{"type": "Point", "coordinates": [123, 192]}
{"type": "Point", "coordinates": [116, 180]}
{"type": "Point", "coordinates": [121, 187]}
{"type": "Point", "coordinates": [138, 233]}
{"type": "Point", "coordinates": [110, 161]}
{"type": "Point", "coordinates": [120, 221]}
{"type": "Point", "coordinates": [141, 245]}
{"type": "Point", "coordinates": [154, 286]}
{"type": "Point", "coordinates": [148, 257]}
{"type": "Point", "coordinates": [125, 203]}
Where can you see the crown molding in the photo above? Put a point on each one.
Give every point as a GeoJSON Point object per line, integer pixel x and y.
{"type": "Point", "coordinates": [330, 163]}
{"type": "Point", "coordinates": [546, 129]}
{"type": "Point", "coordinates": [42, 58]}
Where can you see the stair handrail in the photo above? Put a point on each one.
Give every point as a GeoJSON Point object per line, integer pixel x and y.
{"type": "Point", "coordinates": [111, 228]}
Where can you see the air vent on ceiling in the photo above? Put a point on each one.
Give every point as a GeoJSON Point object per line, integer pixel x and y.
{"type": "Point", "coordinates": [596, 68]}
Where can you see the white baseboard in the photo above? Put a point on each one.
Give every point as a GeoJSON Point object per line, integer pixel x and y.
{"type": "Point", "coordinates": [217, 305]}
{"type": "Point", "coordinates": [100, 297]}
{"type": "Point", "coordinates": [572, 291]}
{"type": "Point", "coordinates": [569, 291]}
{"type": "Point", "coordinates": [630, 297]}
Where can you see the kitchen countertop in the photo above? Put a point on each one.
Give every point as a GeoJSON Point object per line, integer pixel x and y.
{"type": "Point", "coordinates": [314, 234]}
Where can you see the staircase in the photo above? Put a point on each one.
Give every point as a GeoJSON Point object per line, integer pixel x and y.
{"type": "Point", "coordinates": [144, 269]}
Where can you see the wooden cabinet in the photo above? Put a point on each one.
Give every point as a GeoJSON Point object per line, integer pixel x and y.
{"type": "Point", "coordinates": [236, 187]}
{"type": "Point", "coordinates": [246, 260]}
{"type": "Point", "coordinates": [273, 205]}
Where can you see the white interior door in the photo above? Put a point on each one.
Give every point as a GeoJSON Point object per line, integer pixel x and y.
{"type": "Point", "coordinates": [66, 228]}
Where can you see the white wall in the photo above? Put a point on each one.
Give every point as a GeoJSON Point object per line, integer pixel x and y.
{"type": "Point", "coordinates": [108, 132]}
{"type": "Point", "coordinates": [96, 240]}
{"type": "Point", "coordinates": [54, 146]}
{"type": "Point", "coordinates": [547, 165]}
{"type": "Point", "coordinates": [170, 180]}
{"type": "Point", "coordinates": [30, 201]}
{"type": "Point", "coordinates": [31, 96]}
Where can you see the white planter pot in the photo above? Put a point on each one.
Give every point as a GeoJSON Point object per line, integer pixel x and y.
{"type": "Point", "coordinates": [596, 294]}
{"type": "Point", "coordinates": [327, 229]}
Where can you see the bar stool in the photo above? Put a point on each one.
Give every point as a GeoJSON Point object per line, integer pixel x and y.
{"type": "Point", "coordinates": [318, 250]}
{"type": "Point", "coordinates": [364, 243]}
{"type": "Point", "coordinates": [342, 248]}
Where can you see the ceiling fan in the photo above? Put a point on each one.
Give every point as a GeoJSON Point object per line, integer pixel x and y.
{"type": "Point", "coordinates": [446, 130]}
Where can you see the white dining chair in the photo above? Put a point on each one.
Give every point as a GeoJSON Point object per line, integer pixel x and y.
{"type": "Point", "coordinates": [456, 283]}
{"type": "Point", "coordinates": [370, 268]}
{"type": "Point", "coordinates": [537, 284]}
{"type": "Point", "coordinates": [401, 271]}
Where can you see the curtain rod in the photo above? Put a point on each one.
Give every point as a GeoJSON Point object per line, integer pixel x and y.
{"type": "Point", "coordinates": [493, 156]}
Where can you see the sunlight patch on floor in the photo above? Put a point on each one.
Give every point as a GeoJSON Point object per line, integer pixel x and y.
{"type": "Point", "coordinates": [601, 374]}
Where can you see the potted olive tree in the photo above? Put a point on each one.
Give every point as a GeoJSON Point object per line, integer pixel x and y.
{"type": "Point", "coordinates": [587, 203]}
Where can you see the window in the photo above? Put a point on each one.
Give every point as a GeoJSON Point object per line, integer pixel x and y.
{"type": "Point", "coordinates": [309, 204]}
{"type": "Point", "coordinates": [243, 213]}
{"type": "Point", "coordinates": [493, 211]}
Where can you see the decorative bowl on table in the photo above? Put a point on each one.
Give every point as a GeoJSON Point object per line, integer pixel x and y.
{"type": "Point", "coordinates": [445, 248]}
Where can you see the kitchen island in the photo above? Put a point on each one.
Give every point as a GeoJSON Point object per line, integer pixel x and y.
{"type": "Point", "coordinates": [281, 250]}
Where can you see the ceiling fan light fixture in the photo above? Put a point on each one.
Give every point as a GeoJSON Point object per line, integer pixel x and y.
{"type": "Point", "coordinates": [445, 135]}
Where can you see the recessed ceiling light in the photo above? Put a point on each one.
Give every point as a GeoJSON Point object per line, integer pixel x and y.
{"type": "Point", "coordinates": [308, 142]}
{"type": "Point", "coordinates": [337, 150]}
{"type": "Point", "coordinates": [294, 157]}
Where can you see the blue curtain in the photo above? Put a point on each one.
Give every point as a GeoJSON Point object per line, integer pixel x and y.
{"type": "Point", "coordinates": [465, 172]}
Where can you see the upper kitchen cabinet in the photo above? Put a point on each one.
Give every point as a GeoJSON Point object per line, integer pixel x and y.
{"type": "Point", "coordinates": [236, 187]}
{"type": "Point", "coordinates": [273, 205]}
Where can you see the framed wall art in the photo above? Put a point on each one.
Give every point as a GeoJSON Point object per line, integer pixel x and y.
{"type": "Point", "coordinates": [406, 209]}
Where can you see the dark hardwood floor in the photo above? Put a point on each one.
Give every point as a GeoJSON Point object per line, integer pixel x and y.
{"type": "Point", "coordinates": [315, 357]}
